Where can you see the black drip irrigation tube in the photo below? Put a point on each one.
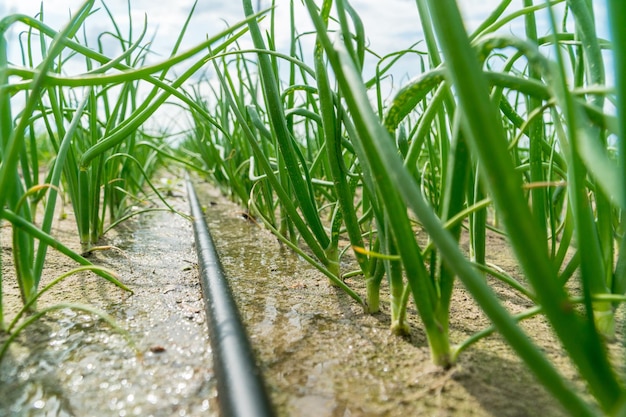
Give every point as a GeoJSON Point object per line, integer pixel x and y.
{"type": "Point", "coordinates": [240, 388]}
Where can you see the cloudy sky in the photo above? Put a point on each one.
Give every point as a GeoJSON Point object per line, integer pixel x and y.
{"type": "Point", "coordinates": [390, 25]}
{"type": "Point", "coordinates": [387, 25]}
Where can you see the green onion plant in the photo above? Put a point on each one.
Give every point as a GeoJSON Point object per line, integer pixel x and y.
{"type": "Point", "coordinates": [497, 133]}
{"type": "Point", "coordinates": [520, 135]}
{"type": "Point", "coordinates": [90, 124]}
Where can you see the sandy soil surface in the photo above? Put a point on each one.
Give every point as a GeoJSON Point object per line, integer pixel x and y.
{"type": "Point", "coordinates": [321, 355]}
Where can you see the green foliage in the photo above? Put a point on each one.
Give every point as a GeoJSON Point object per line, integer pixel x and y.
{"type": "Point", "coordinates": [497, 132]}
{"type": "Point", "coordinates": [79, 136]}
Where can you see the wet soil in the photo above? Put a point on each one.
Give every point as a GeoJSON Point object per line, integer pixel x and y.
{"type": "Point", "coordinates": [323, 356]}
{"type": "Point", "coordinates": [320, 354]}
{"type": "Point", "coordinates": [73, 364]}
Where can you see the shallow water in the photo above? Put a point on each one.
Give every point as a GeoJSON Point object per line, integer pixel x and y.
{"type": "Point", "coordinates": [73, 364]}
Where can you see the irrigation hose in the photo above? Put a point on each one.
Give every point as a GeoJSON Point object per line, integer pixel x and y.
{"type": "Point", "coordinates": [240, 387]}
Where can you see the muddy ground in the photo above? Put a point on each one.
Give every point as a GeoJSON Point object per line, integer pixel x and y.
{"type": "Point", "coordinates": [320, 354]}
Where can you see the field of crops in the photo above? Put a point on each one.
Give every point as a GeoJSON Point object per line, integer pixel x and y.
{"type": "Point", "coordinates": [521, 136]}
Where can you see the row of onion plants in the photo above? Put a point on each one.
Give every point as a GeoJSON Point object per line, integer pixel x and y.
{"type": "Point", "coordinates": [71, 120]}
{"type": "Point", "coordinates": [512, 134]}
